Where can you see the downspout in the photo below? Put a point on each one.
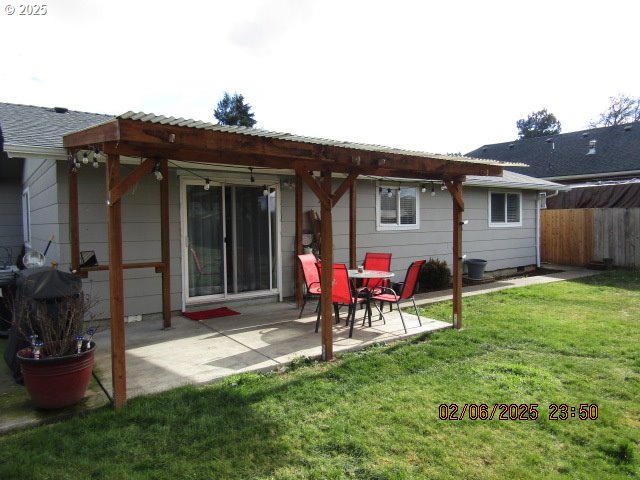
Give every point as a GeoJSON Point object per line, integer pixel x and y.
{"type": "Point", "coordinates": [538, 229]}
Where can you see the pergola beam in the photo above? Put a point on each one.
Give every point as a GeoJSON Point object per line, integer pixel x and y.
{"type": "Point", "coordinates": [142, 139]}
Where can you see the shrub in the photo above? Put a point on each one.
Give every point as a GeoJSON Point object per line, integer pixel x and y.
{"type": "Point", "coordinates": [435, 274]}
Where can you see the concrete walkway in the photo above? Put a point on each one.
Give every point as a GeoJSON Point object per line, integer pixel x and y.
{"type": "Point", "coordinates": [263, 337]}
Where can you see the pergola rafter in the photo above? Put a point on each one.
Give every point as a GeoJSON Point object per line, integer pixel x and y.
{"type": "Point", "coordinates": [157, 139]}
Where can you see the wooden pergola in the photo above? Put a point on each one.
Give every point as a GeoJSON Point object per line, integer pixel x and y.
{"type": "Point", "coordinates": [157, 139]}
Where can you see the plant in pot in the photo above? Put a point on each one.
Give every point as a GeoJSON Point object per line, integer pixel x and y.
{"type": "Point", "coordinates": [58, 361]}
{"type": "Point", "coordinates": [435, 275]}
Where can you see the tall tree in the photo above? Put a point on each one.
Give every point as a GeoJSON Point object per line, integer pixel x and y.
{"type": "Point", "coordinates": [538, 124]}
{"type": "Point", "coordinates": [232, 110]}
{"type": "Point", "coordinates": [622, 109]}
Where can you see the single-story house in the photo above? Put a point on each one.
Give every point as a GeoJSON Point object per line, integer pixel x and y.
{"type": "Point", "coordinates": [217, 211]}
{"type": "Point", "coordinates": [232, 228]}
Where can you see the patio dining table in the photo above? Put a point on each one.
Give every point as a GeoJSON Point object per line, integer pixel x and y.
{"type": "Point", "coordinates": [358, 274]}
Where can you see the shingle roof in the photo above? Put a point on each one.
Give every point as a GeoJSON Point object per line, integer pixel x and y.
{"type": "Point", "coordinates": [617, 149]}
{"type": "Point", "coordinates": [26, 125]}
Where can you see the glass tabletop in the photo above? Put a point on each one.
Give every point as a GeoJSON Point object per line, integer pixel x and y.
{"type": "Point", "coordinates": [370, 274]}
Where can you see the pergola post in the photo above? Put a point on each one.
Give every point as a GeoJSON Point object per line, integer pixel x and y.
{"type": "Point", "coordinates": [352, 226]}
{"type": "Point", "coordinates": [326, 253]}
{"type": "Point", "coordinates": [298, 240]}
{"type": "Point", "coordinates": [165, 252]}
{"type": "Point", "coordinates": [455, 189]}
{"type": "Point", "coordinates": [74, 221]}
{"type": "Point", "coordinates": [116, 284]}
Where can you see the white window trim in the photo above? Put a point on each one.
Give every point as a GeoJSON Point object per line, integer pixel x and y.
{"type": "Point", "coordinates": [386, 227]}
{"type": "Point", "coordinates": [504, 224]}
{"type": "Point", "coordinates": [26, 217]}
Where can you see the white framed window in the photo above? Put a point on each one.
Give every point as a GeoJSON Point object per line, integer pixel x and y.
{"type": "Point", "coordinates": [397, 208]}
{"type": "Point", "coordinates": [505, 209]}
{"type": "Point", "coordinates": [26, 217]}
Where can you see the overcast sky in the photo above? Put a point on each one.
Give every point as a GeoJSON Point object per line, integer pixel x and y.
{"type": "Point", "coordinates": [438, 76]}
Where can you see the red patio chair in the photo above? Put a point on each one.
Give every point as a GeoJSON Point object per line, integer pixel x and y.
{"type": "Point", "coordinates": [407, 291]}
{"type": "Point", "coordinates": [376, 261]}
{"type": "Point", "coordinates": [311, 278]}
{"type": "Point", "coordinates": [341, 294]}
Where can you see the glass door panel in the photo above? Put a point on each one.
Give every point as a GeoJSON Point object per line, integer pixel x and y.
{"type": "Point", "coordinates": [205, 233]}
{"type": "Point", "coordinates": [248, 216]}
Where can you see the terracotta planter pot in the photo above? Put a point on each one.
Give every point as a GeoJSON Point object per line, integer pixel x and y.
{"type": "Point", "coordinates": [57, 382]}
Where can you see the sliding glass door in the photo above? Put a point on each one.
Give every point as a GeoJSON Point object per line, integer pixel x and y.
{"type": "Point", "coordinates": [205, 241]}
{"type": "Point", "coordinates": [231, 240]}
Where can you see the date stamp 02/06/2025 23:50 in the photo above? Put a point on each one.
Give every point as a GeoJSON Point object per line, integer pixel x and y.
{"type": "Point", "coordinates": [514, 411]}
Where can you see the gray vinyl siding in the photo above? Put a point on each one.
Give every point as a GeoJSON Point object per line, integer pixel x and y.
{"type": "Point", "coordinates": [10, 219]}
{"type": "Point", "coordinates": [502, 247]}
{"type": "Point", "coordinates": [41, 179]}
{"type": "Point", "coordinates": [140, 235]}
{"type": "Point", "coordinates": [507, 247]}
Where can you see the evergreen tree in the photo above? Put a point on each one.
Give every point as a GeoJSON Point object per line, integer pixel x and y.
{"type": "Point", "coordinates": [538, 124]}
{"type": "Point", "coordinates": [232, 110]}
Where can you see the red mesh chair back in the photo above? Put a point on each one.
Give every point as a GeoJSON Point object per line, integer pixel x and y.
{"type": "Point", "coordinates": [376, 261]}
{"type": "Point", "coordinates": [310, 272]}
{"type": "Point", "coordinates": [340, 287]}
{"type": "Point", "coordinates": [411, 280]}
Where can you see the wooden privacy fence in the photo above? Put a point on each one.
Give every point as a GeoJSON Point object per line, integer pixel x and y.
{"type": "Point", "coordinates": [579, 236]}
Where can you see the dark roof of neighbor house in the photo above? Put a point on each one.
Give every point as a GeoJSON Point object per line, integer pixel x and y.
{"type": "Point", "coordinates": [616, 149]}
{"type": "Point", "coordinates": [26, 125]}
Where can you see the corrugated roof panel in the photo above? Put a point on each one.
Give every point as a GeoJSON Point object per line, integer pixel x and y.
{"type": "Point", "coordinates": [150, 118]}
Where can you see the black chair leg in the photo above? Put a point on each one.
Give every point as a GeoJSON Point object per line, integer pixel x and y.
{"type": "Point", "coordinates": [304, 302]}
{"type": "Point", "coordinates": [401, 317]}
{"type": "Point", "coordinates": [336, 311]}
{"type": "Point", "coordinates": [353, 319]}
{"type": "Point", "coordinates": [416, 307]}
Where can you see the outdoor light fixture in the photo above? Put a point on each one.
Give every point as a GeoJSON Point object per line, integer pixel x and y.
{"type": "Point", "coordinates": [251, 173]}
{"type": "Point", "coordinates": [433, 189]}
{"type": "Point", "coordinates": [95, 157]}
{"type": "Point", "coordinates": [157, 172]}
{"type": "Point", "coordinates": [389, 193]}
{"type": "Point", "coordinates": [85, 158]}
{"type": "Point", "coordinates": [423, 188]}
{"type": "Point", "coordinates": [464, 222]}
{"type": "Point", "coordinates": [207, 185]}
{"type": "Point", "coordinates": [265, 191]}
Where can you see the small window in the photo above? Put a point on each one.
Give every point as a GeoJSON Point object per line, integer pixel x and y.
{"type": "Point", "coordinates": [26, 217]}
{"type": "Point", "coordinates": [397, 208]}
{"type": "Point", "coordinates": [505, 209]}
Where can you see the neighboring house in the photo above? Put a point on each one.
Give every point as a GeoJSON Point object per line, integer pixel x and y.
{"type": "Point", "coordinates": [232, 229]}
{"type": "Point", "coordinates": [602, 165]}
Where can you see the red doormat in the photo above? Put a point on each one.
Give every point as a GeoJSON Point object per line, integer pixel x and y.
{"type": "Point", "coordinates": [213, 313]}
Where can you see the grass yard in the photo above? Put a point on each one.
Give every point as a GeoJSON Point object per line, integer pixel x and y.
{"type": "Point", "coordinates": [374, 414]}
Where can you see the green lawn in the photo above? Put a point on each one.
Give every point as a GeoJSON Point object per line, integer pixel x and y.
{"type": "Point", "coordinates": [374, 414]}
